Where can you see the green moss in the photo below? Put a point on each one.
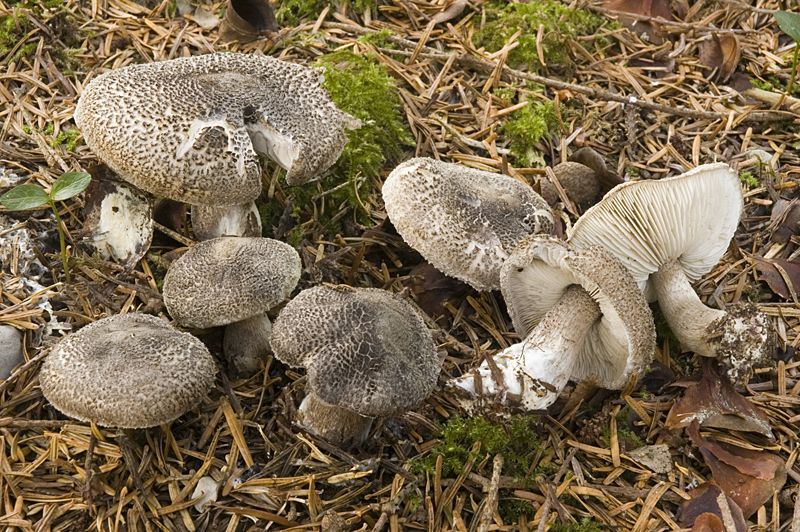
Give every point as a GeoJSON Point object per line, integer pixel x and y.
{"type": "Point", "coordinates": [585, 525]}
{"type": "Point", "coordinates": [561, 24]}
{"type": "Point", "coordinates": [66, 138]}
{"type": "Point", "coordinates": [631, 172]}
{"type": "Point", "coordinates": [24, 51]}
{"type": "Point", "coordinates": [510, 510]}
{"type": "Point", "coordinates": [527, 126]}
{"type": "Point", "coordinates": [518, 447]}
{"type": "Point", "coordinates": [292, 12]}
{"type": "Point", "coordinates": [379, 39]}
{"type": "Point", "coordinates": [748, 179]}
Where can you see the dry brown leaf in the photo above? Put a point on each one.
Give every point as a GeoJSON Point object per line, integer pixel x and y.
{"type": "Point", "coordinates": [453, 10]}
{"type": "Point", "coordinates": [768, 270]}
{"type": "Point", "coordinates": [747, 476]}
{"type": "Point", "coordinates": [786, 216]}
{"type": "Point", "coordinates": [702, 512]}
{"type": "Point", "coordinates": [720, 53]}
{"type": "Point", "coordinates": [715, 403]}
{"type": "Point", "coordinates": [432, 289]}
{"type": "Point", "coordinates": [645, 8]}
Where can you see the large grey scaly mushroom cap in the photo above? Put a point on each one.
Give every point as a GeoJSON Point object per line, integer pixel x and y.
{"type": "Point", "coordinates": [364, 349]}
{"type": "Point", "coordinates": [127, 371]}
{"type": "Point", "coordinates": [189, 129]}
{"type": "Point", "coordinates": [229, 279]}
{"type": "Point", "coordinates": [621, 342]}
{"type": "Point", "coordinates": [464, 221]}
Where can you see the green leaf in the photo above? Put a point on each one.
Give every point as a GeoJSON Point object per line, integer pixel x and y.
{"type": "Point", "coordinates": [69, 185]}
{"type": "Point", "coordinates": [24, 197]}
{"type": "Point", "coordinates": [789, 23]}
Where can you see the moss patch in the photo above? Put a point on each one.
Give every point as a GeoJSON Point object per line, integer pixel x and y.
{"type": "Point", "coordinates": [561, 24]}
{"type": "Point", "coordinates": [292, 12]}
{"type": "Point", "coordinates": [527, 126]}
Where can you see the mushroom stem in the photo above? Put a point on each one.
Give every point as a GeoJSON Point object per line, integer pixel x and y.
{"type": "Point", "coordinates": [739, 337]}
{"type": "Point", "coordinates": [333, 423]}
{"type": "Point", "coordinates": [534, 371]}
{"type": "Point", "coordinates": [246, 343]}
{"type": "Point", "coordinates": [686, 315]}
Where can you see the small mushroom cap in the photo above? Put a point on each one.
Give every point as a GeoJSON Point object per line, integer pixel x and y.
{"type": "Point", "coordinates": [690, 218]}
{"type": "Point", "coordinates": [621, 342]}
{"type": "Point", "coordinates": [183, 128]}
{"type": "Point", "coordinates": [463, 221]}
{"type": "Point", "coordinates": [127, 371]}
{"type": "Point", "coordinates": [364, 349]}
{"type": "Point", "coordinates": [579, 182]}
{"type": "Point", "coordinates": [229, 279]}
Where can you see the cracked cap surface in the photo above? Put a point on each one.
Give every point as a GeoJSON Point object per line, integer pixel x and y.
{"type": "Point", "coordinates": [127, 371]}
{"type": "Point", "coordinates": [229, 279]}
{"type": "Point", "coordinates": [364, 349]}
{"type": "Point", "coordinates": [465, 222]}
{"type": "Point", "coordinates": [189, 129]}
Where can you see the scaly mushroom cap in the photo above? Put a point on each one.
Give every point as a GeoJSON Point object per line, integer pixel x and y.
{"type": "Point", "coordinates": [463, 221]}
{"type": "Point", "coordinates": [621, 342]}
{"type": "Point", "coordinates": [364, 349]}
{"type": "Point", "coordinates": [183, 128]}
{"type": "Point", "coordinates": [229, 279]}
{"type": "Point", "coordinates": [127, 371]}
{"type": "Point", "coordinates": [690, 218]}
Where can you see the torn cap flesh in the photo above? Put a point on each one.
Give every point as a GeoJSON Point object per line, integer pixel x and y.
{"type": "Point", "coordinates": [605, 335]}
{"type": "Point", "coordinates": [670, 232]}
{"type": "Point", "coordinates": [189, 129]}
{"type": "Point", "coordinates": [465, 222]}
{"type": "Point", "coordinates": [127, 371]}
{"type": "Point", "coordinates": [366, 351]}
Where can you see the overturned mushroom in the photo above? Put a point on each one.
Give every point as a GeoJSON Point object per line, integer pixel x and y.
{"type": "Point", "coordinates": [581, 316]}
{"type": "Point", "coordinates": [232, 281]}
{"type": "Point", "coordinates": [669, 233]}
{"type": "Point", "coordinates": [463, 221]}
{"type": "Point", "coordinates": [236, 220]}
{"type": "Point", "coordinates": [190, 129]}
{"type": "Point", "coordinates": [367, 354]}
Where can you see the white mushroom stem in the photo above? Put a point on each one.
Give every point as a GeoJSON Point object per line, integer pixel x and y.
{"type": "Point", "coordinates": [532, 373]}
{"type": "Point", "coordinates": [333, 423]}
{"type": "Point", "coordinates": [246, 343]}
{"type": "Point", "coordinates": [686, 315]}
{"type": "Point", "coordinates": [740, 337]}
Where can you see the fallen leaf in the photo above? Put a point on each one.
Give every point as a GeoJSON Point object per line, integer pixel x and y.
{"type": "Point", "coordinates": [747, 476]}
{"type": "Point", "coordinates": [205, 19]}
{"type": "Point", "coordinates": [707, 502]}
{"type": "Point", "coordinates": [714, 402]}
{"type": "Point", "coordinates": [432, 289]}
{"type": "Point", "coordinates": [720, 54]}
{"type": "Point", "coordinates": [450, 12]}
{"type": "Point", "coordinates": [769, 271]}
{"type": "Point", "coordinates": [785, 218]}
{"type": "Point", "coordinates": [645, 8]}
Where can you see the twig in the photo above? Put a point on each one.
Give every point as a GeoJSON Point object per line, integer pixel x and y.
{"type": "Point", "coordinates": [491, 497]}
{"type": "Point", "coordinates": [487, 67]}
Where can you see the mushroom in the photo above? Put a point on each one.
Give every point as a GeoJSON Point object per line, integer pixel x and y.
{"type": "Point", "coordinates": [581, 315]}
{"type": "Point", "coordinates": [669, 233]}
{"type": "Point", "coordinates": [238, 220]}
{"type": "Point", "coordinates": [367, 353]}
{"type": "Point", "coordinates": [127, 371]}
{"type": "Point", "coordinates": [232, 281]}
{"type": "Point", "coordinates": [190, 129]}
{"type": "Point", "coordinates": [579, 182]}
{"type": "Point", "coordinates": [463, 221]}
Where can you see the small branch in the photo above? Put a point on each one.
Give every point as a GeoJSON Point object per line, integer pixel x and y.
{"type": "Point", "coordinates": [481, 65]}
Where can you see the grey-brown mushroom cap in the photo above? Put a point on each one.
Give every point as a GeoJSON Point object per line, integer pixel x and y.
{"type": "Point", "coordinates": [127, 371]}
{"type": "Point", "coordinates": [364, 349]}
{"type": "Point", "coordinates": [183, 128]}
{"type": "Point", "coordinates": [620, 343]}
{"type": "Point", "coordinates": [229, 279]}
{"type": "Point", "coordinates": [690, 218]}
{"type": "Point", "coordinates": [463, 221]}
